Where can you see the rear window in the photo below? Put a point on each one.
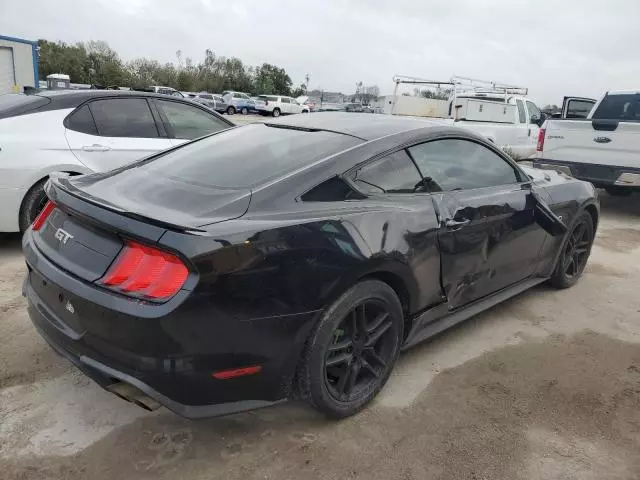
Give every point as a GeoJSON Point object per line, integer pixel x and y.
{"type": "Point", "coordinates": [619, 107]}
{"type": "Point", "coordinates": [18, 103]}
{"type": "Point", "coordinates": [247, 156]}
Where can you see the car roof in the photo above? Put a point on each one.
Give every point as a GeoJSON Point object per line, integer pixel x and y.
{"type": "Point", "coordinates": [72, 98]}
{"type": "Point", "coordinates": [623, 92]}
{"type": "Point", "coordinates": [365, 126]}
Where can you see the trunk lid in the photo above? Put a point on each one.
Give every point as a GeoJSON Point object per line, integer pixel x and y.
{"type": "Point", "coordinates": [77, 246]}
{"type": "Point", "coordinates": [161, 199]}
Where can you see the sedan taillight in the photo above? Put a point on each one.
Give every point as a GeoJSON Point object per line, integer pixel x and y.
{"type": "Point", "coordinates": [145, 272]}
{"type": "Point", "coordinates": [43, 215]}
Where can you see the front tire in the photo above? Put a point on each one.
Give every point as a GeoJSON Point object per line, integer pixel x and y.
{"type": "Point", "coordinates": [352, 350]}
{"type": "Point", "coordinates": [231, 111]}
{"type": "Point", "coordinates": [244, 111]}
{"type": "Point", "coordinates": [575, 253]}
{"type": "Point", "coordinates": [33, 202]}
{"type": "Point", "coordinates": [276, 112]}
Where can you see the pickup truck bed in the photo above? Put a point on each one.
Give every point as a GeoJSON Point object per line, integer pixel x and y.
{"type": "Point", "coordinates": [604, 151]}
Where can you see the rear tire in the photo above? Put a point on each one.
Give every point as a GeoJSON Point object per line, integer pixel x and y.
{"type": "Point", "coordinates": [575, 253]}
{"type": "Point", "coordinates": [352, 350]}
{"type": "Point", "coordinates": [276, 112]}
{"type": "Point", "coordinates": [33, 202]}
{"type": "Point", "coordinates": [244, 111]}
{"type": "Point", "coordinates": [618, 191]}
{"type": "Point", "coordinates": [231, 111]}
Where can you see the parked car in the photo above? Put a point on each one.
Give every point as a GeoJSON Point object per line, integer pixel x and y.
{"type": "Point", "coordinates": [294, 258]}
{"type": "Point", "coordinates": [205, 98]}
{"type": "Point", "coordinates": [80, 131]}
{"type": "Point", "coordinates": [277, 105]}
{"type": "Point", "coordinates": [238, 102]}
{"type": "Point", "coordinates": [167, 91]}
{"type": "Point", "coordinates": [603, 148]}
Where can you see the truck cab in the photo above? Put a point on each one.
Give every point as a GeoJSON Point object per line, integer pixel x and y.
{"type": "Point", "coordinates": [510, 121]}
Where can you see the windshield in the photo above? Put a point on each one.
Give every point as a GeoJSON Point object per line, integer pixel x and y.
{"type": "Point", "coordinates": [247, 156]}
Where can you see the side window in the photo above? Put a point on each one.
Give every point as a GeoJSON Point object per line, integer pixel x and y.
{"type": "Point", "coordinates": [452, 164]}
{"type": "Point", "coordinates": [82, 121]}
{"type": "Point", "coordinates": [285, 100]}
{"type": "Point", "coordinates": [124, 117]}
{"type": "Point", "coordinates": [579, 108]}
{"type": "Point", "coordinates": [534, 111]}
{"type": "Point", "coordinates": [522, 116]}
{"type": "Point", "coordinates": [189, 122]}
{"type": "Point", "coordinates": [237, 95]}
{"type": "Point", "coordinates": [206, 97]}
{"type": "Point", "coordinates": [395, 173]}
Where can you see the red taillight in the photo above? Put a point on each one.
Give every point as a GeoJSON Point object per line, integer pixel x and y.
{"type": "Point", "coordinates": [237, 372]}
{"type": "Point", "coordinates": [541, 134]}
{"type": "Point", "coordinates": [146, 272]}
{"type": "Point", "coordinates": [42, 216]}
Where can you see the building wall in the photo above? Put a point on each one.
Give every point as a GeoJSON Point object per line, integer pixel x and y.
{"type": "Point", "coordinates": [23, 62]}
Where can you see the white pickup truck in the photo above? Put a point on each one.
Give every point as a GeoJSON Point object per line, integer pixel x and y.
{"type": "Point", "coordinates": [502, 113]}
{"type": "Point", "coordinates": [512, 123]}
{"type": "Point", "coordinates": [604, 148]}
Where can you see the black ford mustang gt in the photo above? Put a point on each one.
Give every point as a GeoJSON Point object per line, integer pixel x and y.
{"type": "Point", "coordinates": [292, 259]}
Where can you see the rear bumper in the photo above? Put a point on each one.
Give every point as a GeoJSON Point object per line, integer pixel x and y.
{"type": "Point", "coordinates": [171, 358]}
{"type": "Point", "coordinates": [104, 376]}
{"type": "Point", "coordinates": [599, 175]}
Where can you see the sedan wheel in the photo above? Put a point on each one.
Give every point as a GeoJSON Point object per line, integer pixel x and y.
{"type": "Point", "coordinates": [244, 111]}
{"type": "Point", "coordinates": [231, 111]}
{"type": "Point", "coordinates": [33, 203]}
{"type": "Point", "coordinates": [353, 350]}
{"type": "Point", "coordinates": [575, 253]}
{"type": "Point", "coordinates": [276, 112]}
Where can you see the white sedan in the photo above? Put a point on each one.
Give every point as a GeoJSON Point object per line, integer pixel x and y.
{"type": "Point", "coordinates": [84, 131]}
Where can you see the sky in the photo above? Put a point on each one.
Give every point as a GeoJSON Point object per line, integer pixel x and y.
{"type": "Point", "coordinates": [555, 48]}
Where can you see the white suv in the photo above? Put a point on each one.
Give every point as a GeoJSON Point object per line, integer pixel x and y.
{"type": "Point", "coordinates": [277, 105]}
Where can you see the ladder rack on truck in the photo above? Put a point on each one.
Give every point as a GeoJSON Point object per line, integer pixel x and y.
{"type": "Point", "coordinates": [462, 86]}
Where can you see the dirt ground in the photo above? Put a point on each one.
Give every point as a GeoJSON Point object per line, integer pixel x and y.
{"type": "Point", "coordinates": [544, 386]}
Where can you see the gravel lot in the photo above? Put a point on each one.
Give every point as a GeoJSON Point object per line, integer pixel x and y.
{"type": "Point", "coordinates": [544, 386]}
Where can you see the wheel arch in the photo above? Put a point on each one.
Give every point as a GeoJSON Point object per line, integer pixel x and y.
{"type": "Point", "coordinates": [44, 176]}
{"type": "Point", "coordinates": [593, 211]}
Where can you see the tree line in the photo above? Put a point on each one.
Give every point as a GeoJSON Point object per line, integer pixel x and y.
{"type": "Point", "coordinates": [96, 63]}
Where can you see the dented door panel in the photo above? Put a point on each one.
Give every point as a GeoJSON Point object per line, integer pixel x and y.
{"type": "Point", "coordinates": [489, 240]}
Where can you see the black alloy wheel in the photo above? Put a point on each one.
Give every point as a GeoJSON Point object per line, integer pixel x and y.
{"type": "Point", "coordinates": [352, 350]}
{"type": "Point", "coordinates": [362, 348]}
{"type": "Point", "coordinates": [575, 253]}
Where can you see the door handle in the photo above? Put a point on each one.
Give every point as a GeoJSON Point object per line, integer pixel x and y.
{"type": "Point", "coordinates": [96, 148]}
{"type": "Point", "coordinates": [453, 223]}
